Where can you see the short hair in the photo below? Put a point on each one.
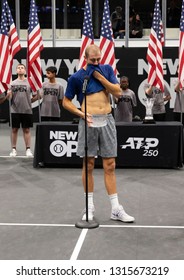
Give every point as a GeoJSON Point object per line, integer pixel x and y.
{"type": "Point", "coordinates": [124, 78]}
{"type": "Point", "coordinates": [92, 47]}
{"type": "Point", "coordinates": [20, 65]}
{"type": "Point", "coordinates": [51, 69]}
{"type": "Point", "coordinates": [118, 9]}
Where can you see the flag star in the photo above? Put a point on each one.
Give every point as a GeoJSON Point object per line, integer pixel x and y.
{"type": "Point", "coordinates": [106, 38]}
{"type": "Point", "coordinates": [10, 44]}
{"type": "Point", "coordinates": [87, 33]}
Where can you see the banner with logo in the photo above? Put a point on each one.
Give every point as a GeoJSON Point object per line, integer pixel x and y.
{"type": "Point", "coordinates": [139, 145]}
{"type": "Point", "coordinates": [131, 62]}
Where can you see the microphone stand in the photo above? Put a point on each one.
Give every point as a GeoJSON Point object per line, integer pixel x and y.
{"type": "Point", "coordinates": [86, 223]}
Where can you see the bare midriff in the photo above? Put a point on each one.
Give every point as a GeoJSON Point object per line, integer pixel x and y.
{"type": "Point", "coordinates": [97, 103]}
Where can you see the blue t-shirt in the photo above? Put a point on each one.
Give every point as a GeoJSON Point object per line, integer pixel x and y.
{"type": "Point", "coordinates": [75, 82]}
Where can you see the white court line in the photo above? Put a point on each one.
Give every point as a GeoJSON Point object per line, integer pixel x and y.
{"type": "Point", "coordinates": [78, 246]}
{"type": "Point", "coordinates": [15, 157]}
{"type": "Point", "coordinates": [140, 226]}
{"type": "Point", "coordinates": [102, 226]}
{"type": "Point", "coordinates": [82, 236]}
{"type": "Point", "coordinates": [36, 225]}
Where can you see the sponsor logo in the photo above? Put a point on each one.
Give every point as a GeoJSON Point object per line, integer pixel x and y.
{"type": "Point", "coordinates": [149, 146]}
{"type": "Point", "coordinates": [64, 143]}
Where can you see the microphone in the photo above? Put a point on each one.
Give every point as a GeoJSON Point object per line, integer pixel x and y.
{"type": "Point", "coordinates": [85, 83]}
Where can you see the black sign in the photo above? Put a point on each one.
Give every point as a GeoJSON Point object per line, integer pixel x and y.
{"type": "Point", "coordinates": [139, 145]}
{"type": "Point", "coordinates": [131, 62]}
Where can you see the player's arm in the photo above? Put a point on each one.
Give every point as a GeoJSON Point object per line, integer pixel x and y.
{"type": "Point", "coordinates": [114, 89]}
{"type": "Point", "coordinates": [68, 105]}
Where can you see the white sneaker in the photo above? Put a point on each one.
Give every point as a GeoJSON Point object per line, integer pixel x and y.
{"type": "Point", "coordinates": [91, 211]}
{"type": "Point", "coordinates": [29, 153]}
{"type": "Point", "coordinates": [121, 215]}
{"type": "Point", "coordinates": [13, 153]}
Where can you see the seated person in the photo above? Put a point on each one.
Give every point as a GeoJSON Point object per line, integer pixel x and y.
{"type": "Point", "coordinates": [118, 23]}
{"type": "Point", "coordinates": [136, 27]}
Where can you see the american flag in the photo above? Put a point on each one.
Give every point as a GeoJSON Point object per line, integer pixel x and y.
{"type": "Point", "coordinates": [154, 52]}
{"type": "Point", "coordinates": [9, 46]}
{"type": "Point", "coordinates": [181, 49]}
{"type": "Point", "coordinates": [35, 46]}
{"type": "Point", "coordinates": [87, 34]}
{"type": "Point", "coordinates": [106, 39]}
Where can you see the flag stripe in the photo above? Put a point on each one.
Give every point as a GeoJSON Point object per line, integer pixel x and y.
{"type": "Point", "coordinates": [181, 48]}
{"type": "Point", "coordinates": [154, 52]}
{"type": "Point", "coordinates": [87, 34]}
{"type": "Point", "coordinates": [35, 46]}
{"type": "Point", "coordinates": [14, 42]}
{"type": "Point", "coordinates": [9, 46]}
{"type": "Point", "coordinates": [106, 39]}
{"type": "Point", "coordinates": [3, 87]}
{"type": "Point", "coordinates": [4, 54]}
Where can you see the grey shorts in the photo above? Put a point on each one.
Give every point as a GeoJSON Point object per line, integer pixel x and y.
{"type": "Point", "coordinates": [101, 141]}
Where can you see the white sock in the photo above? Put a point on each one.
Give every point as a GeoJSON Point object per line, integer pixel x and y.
{"type": "Point", "coordinates": [90, 198]}
{"type": "Point", "coordinates": [114, 200]}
